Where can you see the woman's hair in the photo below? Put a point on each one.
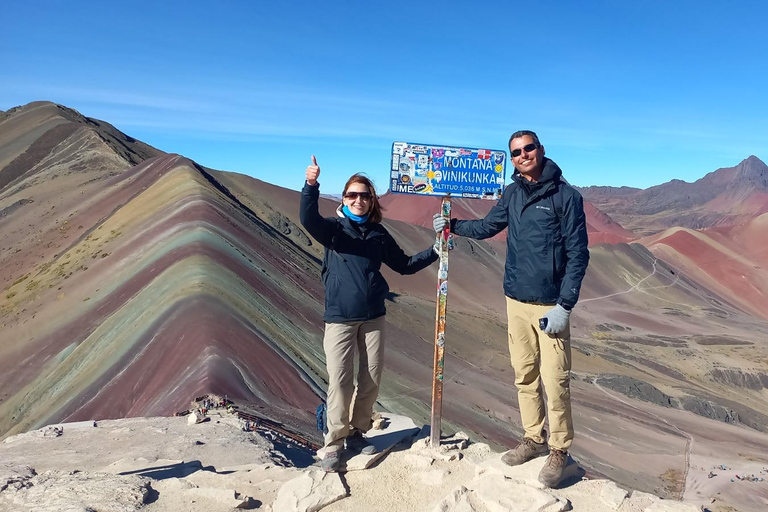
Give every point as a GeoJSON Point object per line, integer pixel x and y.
{"type": "Point", "coordinates": [374, 214]}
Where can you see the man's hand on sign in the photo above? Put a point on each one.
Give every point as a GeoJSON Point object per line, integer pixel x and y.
{"type": "Point", "coordinates": [313, 172]}
{"type": "Point", "coordinates": [439, 222]}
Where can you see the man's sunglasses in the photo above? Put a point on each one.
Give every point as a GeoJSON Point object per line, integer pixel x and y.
{"type": "Point", "coordinates": [365, 196]}
{"type": "Point", "coordinates": [527, 148]}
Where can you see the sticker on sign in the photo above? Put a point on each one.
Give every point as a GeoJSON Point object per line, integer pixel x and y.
{"type": "Point", "coordinates": [431, 170]}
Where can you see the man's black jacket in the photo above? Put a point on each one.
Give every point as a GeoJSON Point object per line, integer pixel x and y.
{"type": "Point", "coordinates": [547, 253]}
{"type": "Point", "coordinates": [355, 290]}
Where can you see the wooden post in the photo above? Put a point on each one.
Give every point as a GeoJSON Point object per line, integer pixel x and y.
{"type": "Point", "coordinates": [443, 240]}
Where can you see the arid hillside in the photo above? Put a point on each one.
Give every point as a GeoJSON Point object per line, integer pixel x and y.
{"type": "Point", "coordinates": [723, 197]}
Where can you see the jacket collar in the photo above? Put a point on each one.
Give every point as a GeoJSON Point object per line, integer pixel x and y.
{"type": "Point", "coordinates": [550, 172]}
{"type": "Point", "coordinates": [550, 177]}
{"type": "Point", "coordinates": [366, 230]}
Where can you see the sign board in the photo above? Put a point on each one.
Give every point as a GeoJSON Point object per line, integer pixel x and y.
{"type": "Point", "coordinates": [428, 170]}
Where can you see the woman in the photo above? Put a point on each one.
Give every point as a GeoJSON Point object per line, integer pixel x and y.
{"type": "Point", "coordinates": [356, 244]}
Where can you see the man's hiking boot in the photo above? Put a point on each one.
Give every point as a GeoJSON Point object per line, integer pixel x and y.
{"type": "Point", "coordinates": [525, 451]}
{"type": "Point", "coordinates": [356, 443]}
{"type": "Point", "coordinates": [554, 470]}
{"type": "Point", "coordinates": [330, 462]}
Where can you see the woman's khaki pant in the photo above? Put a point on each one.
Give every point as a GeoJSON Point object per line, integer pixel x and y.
{"type": "Point", "coordinates": [340, 343]}
{"type": "Point", "coordinates": [541, 359]}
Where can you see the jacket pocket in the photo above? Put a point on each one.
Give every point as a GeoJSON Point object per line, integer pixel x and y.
{"type": "Point", "coordinates": [379, 291]}
{"type": "Point", "coordinates": [332, 287]}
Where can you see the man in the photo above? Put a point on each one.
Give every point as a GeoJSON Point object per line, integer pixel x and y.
{"type": "Point", "coordinates": [547, 257]}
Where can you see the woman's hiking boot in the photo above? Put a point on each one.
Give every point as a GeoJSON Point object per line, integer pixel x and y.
{"type": "Point", "coordinates": [357, 443]}
{"type": "Point", "coordinates": [525, 451]}
{"type": "Point", "coordinates": [330, 462]}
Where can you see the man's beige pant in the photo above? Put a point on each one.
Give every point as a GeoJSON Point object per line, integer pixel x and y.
{"type": "Point", "coordinates": [341, 343]}
{"type": "Point", "coordinates": [541, 359]}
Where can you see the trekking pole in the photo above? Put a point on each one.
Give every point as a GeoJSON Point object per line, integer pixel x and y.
{"type": "Point", "coordinates": [443, 241]}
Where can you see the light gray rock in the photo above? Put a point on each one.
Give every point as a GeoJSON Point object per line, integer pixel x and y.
{"type": "Point", "coordinates": [418, 461]}
{"type": "Point", "coordinates": [613, 495]}
{"type": "Point", "coordinates": [457, 501]}
{"type": "Point", "coordinates": [433, 477]}
{"type": "Point", "coordinates": [458, 441]}
{"type": "Point", "coordinates": [421, 444]}
{"type": "Point", "coordinates": [640, 495]}
{"type": "Point", "coordinates": [448, 456]}
{"type": "Point", "coordinates": [58, 491]}
{"type": "Point", "coordinates": [379, 422]}
{"type": "Point", "coordinates": [309, 492]}
{"type": "Point", "coordinates": [176, 484]}
{"type": "Point", "coordinates": [15, 478]}
{"type": "Point", "coordinates": [157, 469]}
{"type": "Point", "coordinates": [458, 444]}
{"type": "Point", "coordinates": [478, 452]}
{"type": "Point", "coordinates": [246, 503]}
{"type": "Point", "coordinates": [527, 473]}
{"type": "Point", "coordinates": [195, 417]}
{"type": "Point", "coordinates": [127, 465]}
{"type": "Point", "coordinates": [398, 428]}
{"type": "Point", "coordinates": [499, 494]}
{"type": "Point", "coordinates": [640, 500]}
{"type": "Point", "coordinates": [227, 497]}
{"type": "Point", "coordinates": [49, 431]}
{"type": "Point", "coordinates": [672, 506]}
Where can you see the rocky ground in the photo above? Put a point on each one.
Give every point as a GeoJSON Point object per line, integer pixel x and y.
{"type": "Point", "coordinates": [170, 464]}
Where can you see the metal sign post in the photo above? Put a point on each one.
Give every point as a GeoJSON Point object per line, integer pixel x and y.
{"type": "Point", "coordinates": [446, 171]}
{"type": "Point", "coordinates": [443, 242]}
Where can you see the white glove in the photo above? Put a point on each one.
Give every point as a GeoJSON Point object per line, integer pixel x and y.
{"type": "Point", "coordinates": [439, 222]}
{"type": "Point", "coordinates": [557, 319]}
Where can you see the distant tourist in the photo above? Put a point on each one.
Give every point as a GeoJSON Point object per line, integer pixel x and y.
{"type": "Point", "coordinates": [547, 258]}
{"type": "Point", "coordinates": [356, 244]}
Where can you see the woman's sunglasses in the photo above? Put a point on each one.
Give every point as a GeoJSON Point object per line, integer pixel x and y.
{"type": "Point", "coordinates": [365, 196]}
{"type": "Point", "coordinates": [527, 148]}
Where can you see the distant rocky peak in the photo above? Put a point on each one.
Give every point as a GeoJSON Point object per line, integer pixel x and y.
{"type": "Point", "coordinates": [752, 166]}
{"type": "Point", "coordinates": [752, 173]}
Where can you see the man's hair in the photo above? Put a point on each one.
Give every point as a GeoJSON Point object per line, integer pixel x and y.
{"type": "Point", "coordinates": [374, 214]}
{"type": "Point", "coordinates": [521, 133]}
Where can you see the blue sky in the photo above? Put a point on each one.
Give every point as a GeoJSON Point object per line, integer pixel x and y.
{"type": "Point", "coordinates": [620, 93]}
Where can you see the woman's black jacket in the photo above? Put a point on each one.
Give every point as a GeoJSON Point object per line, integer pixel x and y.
{"type": "Point", "coordinates": [355, 290]}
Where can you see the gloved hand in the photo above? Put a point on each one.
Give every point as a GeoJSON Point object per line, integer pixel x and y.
{"type": "Point", "coordinates": [557, 319]}
{"type": "Point", "coordinates": [439, 222]}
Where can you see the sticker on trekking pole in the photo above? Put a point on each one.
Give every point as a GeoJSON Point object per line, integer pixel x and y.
{"type": "Point", "coordinates": [430, 170]}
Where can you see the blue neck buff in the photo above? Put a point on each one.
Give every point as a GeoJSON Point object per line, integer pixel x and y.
{"type": "Point", "coordinates": [357, 218]}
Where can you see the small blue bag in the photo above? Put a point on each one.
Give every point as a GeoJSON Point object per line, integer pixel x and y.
{"type": "Point", "coordinates": [321, 413]}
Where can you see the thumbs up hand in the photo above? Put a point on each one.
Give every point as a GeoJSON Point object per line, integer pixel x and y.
{"type": "Point", "coordinates": [313, 172]}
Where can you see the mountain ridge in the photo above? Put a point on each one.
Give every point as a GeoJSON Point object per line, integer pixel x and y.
{"type": "Point", "coordinates": [726, 196]}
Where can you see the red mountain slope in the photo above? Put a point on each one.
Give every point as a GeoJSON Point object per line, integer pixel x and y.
{"type": "Point", "coordinates": [420, 209]}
